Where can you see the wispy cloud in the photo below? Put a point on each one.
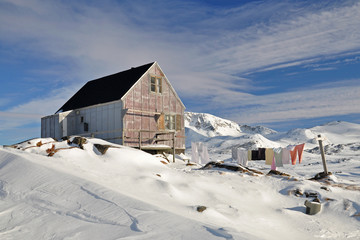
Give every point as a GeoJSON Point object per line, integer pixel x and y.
{"type": "Point", "coordinates": [304, 104]}
{"type": "Point", "coordinates": [206, 53]}
{"type": "Point", "coordinates": [31, 112]}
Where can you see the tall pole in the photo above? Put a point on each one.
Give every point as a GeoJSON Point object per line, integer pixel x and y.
{"type": "Point", "coordinates": [173, 141]}
{"type": "Point", "coordinates": [320, 139]}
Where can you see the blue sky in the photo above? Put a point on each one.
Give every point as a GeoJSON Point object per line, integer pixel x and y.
{"type": "Point", "coordinates": [281, 64]}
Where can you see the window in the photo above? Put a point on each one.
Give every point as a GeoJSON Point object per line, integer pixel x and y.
{"type": "Point", "coordinates": [155, 84]}
{"type": "Point", "coordinates": [170, 122]}
{"type": "Point", "coordinates": [86, 127]}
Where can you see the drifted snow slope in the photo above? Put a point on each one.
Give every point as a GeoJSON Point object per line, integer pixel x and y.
{"type": "Point", "coordinates": [128, 194]}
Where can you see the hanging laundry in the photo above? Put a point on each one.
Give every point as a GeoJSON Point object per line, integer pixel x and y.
{"type": "Point", "coordinates": [261, 154]}
{"type": "Point", "coordinates": [285, 156]}
{"type": "Point", "coordinates": [194, 153]}
{"type": "Point", "coordinates": [234, 153]}
{"type": "Point", "coordinates": [300, 150]}
{"type": "Point", "coordinates": [293, 154]}
{"type": "Point", "coordinates": [242, 156]}
{"type": "Point", "coordinates": [204, 154]}
{"type": "Point", "coordinates": [255, 155]}
{"type": "Point", "coordinates": [278, 157]}
{"type": "Point", "coordinates": [199, 153]}
{"type": "Point", "coordinates": [269, 156]}
{"type": "Point", "coordinates": [273, 165]}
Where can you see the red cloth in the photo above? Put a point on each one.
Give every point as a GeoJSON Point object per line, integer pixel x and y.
{"type": "Point", "coordinates": [300, 150]}
{"type": "Point", "coordinates": [293, 156]}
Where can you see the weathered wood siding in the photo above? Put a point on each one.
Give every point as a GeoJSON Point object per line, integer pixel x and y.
{"type": "Point", "coordinates": [148, 106]}
{"type": "Point", "coordinates": [139, 109]}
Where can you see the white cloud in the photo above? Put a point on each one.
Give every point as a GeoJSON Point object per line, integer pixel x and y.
{"type": "Point", "coordinates": [304, 104]}
{"type": "Point", "coordinates": [203, 51]}
{"type": "Point", "coordinates": [32, 111]}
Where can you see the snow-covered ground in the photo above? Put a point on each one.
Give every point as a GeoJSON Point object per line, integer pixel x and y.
{"type": "Point", "coordinates": [128, 194]}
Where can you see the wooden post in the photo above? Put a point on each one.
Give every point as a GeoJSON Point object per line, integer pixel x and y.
{"type": "Point", "coordinates": [320, 139]}
{"type": "Point", "coordinates": [123, 137]}
{"type": "Point", "coordinates": [173, 135]}
{"type": "Point", "coordinates": [140, 140]}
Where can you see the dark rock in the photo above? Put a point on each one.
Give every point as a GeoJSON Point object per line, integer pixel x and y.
{"type": "Point", "coordinates": [239, 168]}
{"type": "Point", "coordinates": [320, 175]}
{"type": "Point", "coordinates": [101, 148]}
{"type": "Point", "coordinates": [66, 138]}
{"type": "Point", "coordinates": [325, 188]}
{"type": "Point", "coordinates": [80, 141]}
{"type": "Point", "coordinates": [298, 192]}
{"type": "Point", "coordinates": [200, 208]}
{"type": "Point", "coordinates": [311, 194]}
{"type": "Point", "coordinates": [275, 172]}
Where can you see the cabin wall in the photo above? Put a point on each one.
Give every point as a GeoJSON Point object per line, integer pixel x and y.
{"type": "Point", "coordinates": [139, 109]}
{"type": "Point", "coordinates": [50, 127]}
{"type": "Point", "coordinates": [101, 121]}
{"type": "Point", "coordinates": [146, 107]}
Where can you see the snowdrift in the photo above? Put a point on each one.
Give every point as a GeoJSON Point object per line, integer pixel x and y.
{"type": "Point", "coordinates": [75, 190]}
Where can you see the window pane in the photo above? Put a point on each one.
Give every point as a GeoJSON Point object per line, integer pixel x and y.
{"type": "Point", "coordinates": [160, 85]}
{"type": "Point", "coordinates": [153, 88]}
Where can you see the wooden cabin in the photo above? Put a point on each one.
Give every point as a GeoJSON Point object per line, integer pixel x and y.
{"type": "Point", "coordinates": [137, 107]}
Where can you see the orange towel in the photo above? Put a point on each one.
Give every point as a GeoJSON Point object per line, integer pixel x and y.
{"type": "Point", "coordinates": [300, 150]}
{"type": "Point", "coordinates": [293, 156]}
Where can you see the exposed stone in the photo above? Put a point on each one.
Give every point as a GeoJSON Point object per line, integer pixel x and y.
{"type": "Point", "coordinates": [101, 148]}
{"type": "Point", "coordinates": [211, 165]}
{"type": "Point", "coordinates": [200, 208]}
{"type": "Point", "coordinates": [275, 172]}
{"type": "Point", "coordinates": [66, 138]}
{"type": "Point", "coordinates": [320, 175]}
{"type": "Point", "coordinates": [80, 141]}
{"type": "Point", "coordinates": [325, 188]}
{"type": "Point", "coordinates": [311, 194]}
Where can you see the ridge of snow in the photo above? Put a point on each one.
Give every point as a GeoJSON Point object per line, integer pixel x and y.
{"type": "Point", "coordinates": [126, 193]}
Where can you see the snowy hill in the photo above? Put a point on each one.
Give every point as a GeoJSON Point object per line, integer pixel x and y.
{"type": "Point", "coordinates": [93, 189]}
{"type": "Point", "coordinates": [211, 126]}
{"type": "Point", "coordinates": [221, 134]}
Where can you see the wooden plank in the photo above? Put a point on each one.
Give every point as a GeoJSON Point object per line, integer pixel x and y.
{"type": "Point", "coordinates": [161, 122]}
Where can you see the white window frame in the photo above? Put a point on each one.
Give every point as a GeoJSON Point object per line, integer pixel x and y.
{"type": "Point", "coordinates": [155, 84]}
{"type": "Point", "coordinates": [170, 122]}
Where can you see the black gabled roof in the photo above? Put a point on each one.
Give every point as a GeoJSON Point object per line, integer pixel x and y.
{"type": "Point", "coordinates": [105, 89]}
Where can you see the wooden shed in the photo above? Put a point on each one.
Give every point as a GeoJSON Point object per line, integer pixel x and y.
{"type": "Point", "coordinates": [137, 107]}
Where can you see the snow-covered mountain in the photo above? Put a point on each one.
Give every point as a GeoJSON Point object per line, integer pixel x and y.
{"type": "Point", "coordinates": [93, 189]}
{"type": "Point", "coordinates": [211, 126]}
{"type": "Point", "coordinates": [222, 134]}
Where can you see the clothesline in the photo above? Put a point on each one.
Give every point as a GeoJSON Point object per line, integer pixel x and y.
{"type": "Point", "coordinates": [276, 157]}
{"type": "Point", "coordinates": [199, 153]}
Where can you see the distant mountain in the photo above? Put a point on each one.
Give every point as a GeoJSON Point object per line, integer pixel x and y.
{"type": "Point", "coordinates": [222, 134]}
{"type": "Point", "coordinates": [211, 126]}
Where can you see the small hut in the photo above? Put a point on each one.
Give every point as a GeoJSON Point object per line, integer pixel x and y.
{"type": "Point", "coordinates": [137, 107]}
